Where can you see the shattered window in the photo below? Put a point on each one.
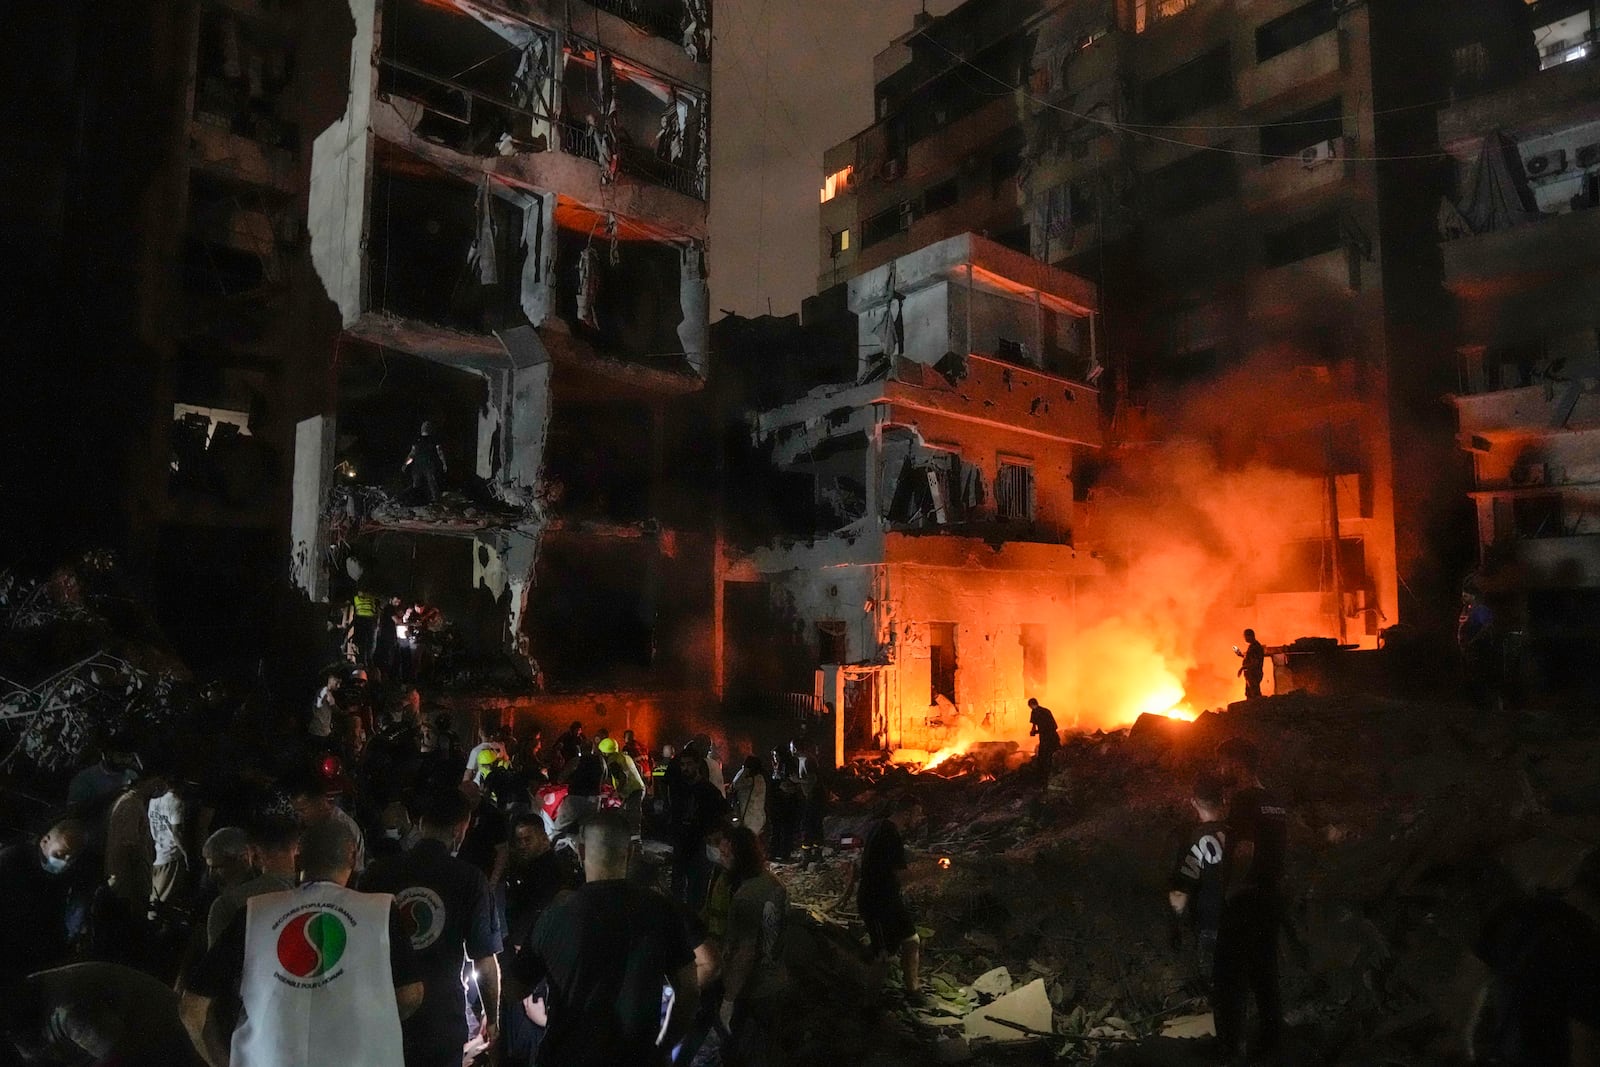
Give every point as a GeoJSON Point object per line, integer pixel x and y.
{"type": "Point", "coordinates": [1305, 23]}
{"type": "Point", "coordinates": [1013, 492]}
{"type": "Point", "coordinates": [941, 661]}
{"type": "Point", "coordinates": [833, 642]}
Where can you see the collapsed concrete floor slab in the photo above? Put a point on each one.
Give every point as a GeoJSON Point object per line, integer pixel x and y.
{"type": "Point", "coordinates": [1407, 823]}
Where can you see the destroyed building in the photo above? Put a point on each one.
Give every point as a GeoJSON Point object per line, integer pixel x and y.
{"type": "Point", "coordinates": [1252, 186]}
{"type": "Point", "coordinates": [1521, 248]}
{"type": "Point", "coordinates": [924, 551]}
{"type": "Point", "coordinates": [164, 312]}
{"type": "Point", "coordinates": [510, 216]}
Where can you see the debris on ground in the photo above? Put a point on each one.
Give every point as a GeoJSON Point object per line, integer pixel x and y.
{"type": "Point", "coordinates": [1407, 821]}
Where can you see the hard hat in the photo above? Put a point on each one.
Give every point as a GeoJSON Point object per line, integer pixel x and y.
{"type": "Point", "coordinates": [608, 746]}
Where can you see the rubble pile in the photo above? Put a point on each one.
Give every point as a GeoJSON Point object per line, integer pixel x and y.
{"type": "Point", "coordinates": [354, 507]}
{"type": "Point", "coordinates": [81, 663]}
{"type": "Point", "coordinates": [1407, 822]}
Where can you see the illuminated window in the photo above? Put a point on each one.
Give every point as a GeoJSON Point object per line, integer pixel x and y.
{"type": "Point", "coordinates": [841, 241]}
{"type": "Point", "coordinates": [1146, 12]}
{"type": "Point", "coordinates": [836, 183]}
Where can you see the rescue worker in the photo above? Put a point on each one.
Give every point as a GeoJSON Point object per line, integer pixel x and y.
{"type": "Point", "coordinates": [1254, 666]}
{"type": "Point", "coordinates": [490, 752]}
{"type": "Point", "coordinates": [365, 623]}
{"type": "Point", "coordinates": [324, 974]}
{"type": "Point", "coordinates": [449, 914]}
{"type": "Point", "coordinates": [427, 464]}
{"type": "Point", "coordinates": [1043, 726]}
{"type": "Point", "coordinates": [1252, 911]}
{"type": "Point", "coordinates": [626, 780]}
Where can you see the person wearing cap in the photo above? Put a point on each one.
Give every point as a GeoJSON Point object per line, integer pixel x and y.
{"type": "Point", "coordinates": [490, 752]}
{"type": "Point", "coordinates": [427, 465]}
{"type": "Point", "coordinates": [626, 779]}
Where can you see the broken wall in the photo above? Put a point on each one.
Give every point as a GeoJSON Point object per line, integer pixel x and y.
{"type": "Point", "coordinates": [341, 172]}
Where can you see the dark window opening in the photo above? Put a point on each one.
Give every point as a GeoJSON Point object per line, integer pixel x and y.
{"type": "Point", "coordinates": [1191, 183]}
{"type": "Point", "coordinates": [1035, 641]}
{"type": "Point", "coordinates": [1305, 23]}
{"type": "Point", "coordinates": [885, 224]}
{"type": "Point", "coordinates": [833, 642]}
{"type": "Point", "coordinates": [1312, 237]}
{"type": "Point", "coordinates": [941, 196]}
{"type": "Point", "coordinates": [941, 661]}
{"type": "Point", "coordinates": [1304, 129]}
{"type": "Point", "coordinates": [1538, 516]}
{"type": "Point", "coordinates": [1195, 86]}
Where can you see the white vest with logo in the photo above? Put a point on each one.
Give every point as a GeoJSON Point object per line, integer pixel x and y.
{"type": "Point", "coordinates": [317, 989]}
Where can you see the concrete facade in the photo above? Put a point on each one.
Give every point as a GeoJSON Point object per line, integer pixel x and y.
{"type": "Point", "coordinates": [940, 539]}
{"type": "Point", "coordinates": [510, 215]}
{"type": "Point", "coordinates": [1521, 252]}
{"type": "Point", "coordinates": [1252, 185]}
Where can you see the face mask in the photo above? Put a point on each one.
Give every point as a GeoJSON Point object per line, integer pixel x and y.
{"type": "Point", "coordinates": [55, 864]}
{"type": "Point", "coordinates": [714, 854]}
{"type": "Point", "coordinates": [393, 834]}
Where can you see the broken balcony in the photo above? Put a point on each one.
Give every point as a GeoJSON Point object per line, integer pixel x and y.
{"type": "Point", "coordinates": [452, 268]}
{"type": "Point", "coordinates": [490, 86]}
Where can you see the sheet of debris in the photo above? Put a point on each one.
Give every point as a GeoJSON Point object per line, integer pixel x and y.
{"type": "Point", "coordinates": [1406, 822]}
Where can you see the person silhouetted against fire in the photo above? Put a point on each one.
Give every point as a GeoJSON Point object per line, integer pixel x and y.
{"type": "Point", "coordinates": [1049, 735]}
{"type": "Point", "coordinates": [1254, 666]}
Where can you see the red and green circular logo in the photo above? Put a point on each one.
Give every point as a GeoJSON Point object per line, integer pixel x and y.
{"type": "Point", "coordinates": [311, 943]}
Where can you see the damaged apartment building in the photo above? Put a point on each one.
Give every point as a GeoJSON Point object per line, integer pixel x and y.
{"type": "Point", "coordinates": [1520, 237]}
{"type": "Point", "coordinates": [1252, 185]}
{"type": "Point", "coordinates": [922, 486]}
{"type": "Point", "coordinates": [510, 216]}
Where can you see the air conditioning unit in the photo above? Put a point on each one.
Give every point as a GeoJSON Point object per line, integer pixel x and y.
{"type": "Point", "coordinates": [1546, 163]}
{"type": "Point", "coordinates": [1589, 155]}
{"type": "Point", "coordinates": [1318, 154]}
{"type": "Point", "coordinates": [891, 170]}
{"type": "Point", "coordinates": [1527, 474]}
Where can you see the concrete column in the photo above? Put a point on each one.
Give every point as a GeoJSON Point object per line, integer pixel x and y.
{"type": "Point", "coordinates": [314, 447]}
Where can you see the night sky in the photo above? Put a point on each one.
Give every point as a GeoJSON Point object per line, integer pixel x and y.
{"type": "Point", "coordinates": [790, 79]}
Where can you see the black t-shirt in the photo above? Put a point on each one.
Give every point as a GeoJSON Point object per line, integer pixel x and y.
{"type": "Point", "coordinates": [699, 807]}
{"type": "Point", "coordinates": [1199, 874]}
{"type": "Point", "coordinates": [1258, 817]}
{"type": "Point", "coordinates": [486, 833]}
{"type": "Point", "coordinates": [221, 969]}
{"type": "Point", "coordinates": [585, 776]}
{"type": "Point", "coordinates": [448, 914]}
{"type": "Point", "coordinates": [1544, 955]}
{"type": "Point", "coordinates": [883, 854]}
{"type": "Point", "coordinates": [1045, 720]}
{"type": "Point", "coordinates": [607, 950]}
{"type": "Point", "coordinates": [531, 888]}
{"type": "Point", "coordinates": [1255, 660]}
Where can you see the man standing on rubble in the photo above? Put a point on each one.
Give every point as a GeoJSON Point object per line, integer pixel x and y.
{"type": "Point", "coordinates": [1044, 727]}
{"type": "Point", "coordinates": [1196, 890]}
{"type": "Point", "coordinates": [1252, 910]}
{"type": "Point", "coordinates": [426, 464]}
{"type": "Point", "coordinates": [883, 909]}
{"type": "Point", "coordinates": [1254, 666]}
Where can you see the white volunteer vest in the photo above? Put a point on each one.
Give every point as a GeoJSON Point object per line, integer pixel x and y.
{"type": "Point", "coordinates": [317, 989]}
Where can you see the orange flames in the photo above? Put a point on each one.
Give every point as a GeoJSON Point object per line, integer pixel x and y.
{"type": "Point", "coordinates": [1187, 550]}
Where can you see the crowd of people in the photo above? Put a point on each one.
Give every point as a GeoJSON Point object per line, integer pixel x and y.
{"type": "Point", "coordinates": [396, 897]}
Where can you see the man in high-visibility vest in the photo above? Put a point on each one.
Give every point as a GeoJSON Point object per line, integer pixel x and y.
{"type": "Point", "coordinates": [323, 974]}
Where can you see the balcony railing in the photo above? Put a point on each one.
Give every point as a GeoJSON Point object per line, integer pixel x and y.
{"type": "Point", "coordinates": [664, 18]}
{"type": "Point", "coordinates": [637, 161]}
